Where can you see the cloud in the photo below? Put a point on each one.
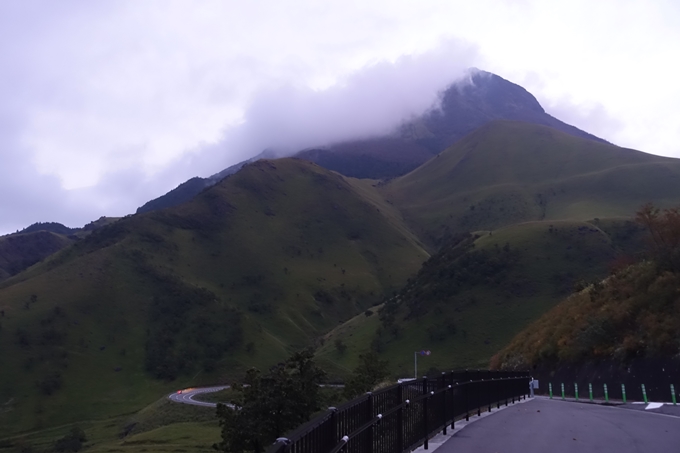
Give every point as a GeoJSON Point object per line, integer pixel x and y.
{"type": "Point", "coordinates": [367, 103]}
{"type": "Point", "coordinates": [590, 117]}
{"type": "Point", "coordinates": [287, 118]}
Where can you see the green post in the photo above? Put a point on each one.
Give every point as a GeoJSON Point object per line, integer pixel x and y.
{"type": "Point", "coordinates": [550, 388]}
{"type": "Point", "coordinates": [576, 390]}
{"type": "Point", "coordinates": [623, 392]}
{"type": "Point", "coordinates": [673, 395]}
{"type": "Point", "coordinates": [644, 394]}
{"type": "Point", "coordinates": [606, 393]}
{"type": "Point", "coordinates": [562, 390]}
{"type": "Point", "coordinates": [590, 391]}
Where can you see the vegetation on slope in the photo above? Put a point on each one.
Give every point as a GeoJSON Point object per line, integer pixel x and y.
{"type": "Point", "coordinates": [509, 172]}
{"type": "Point", "coordinates": [469, 299]}
{"type": "Point", "coordinates": [254, 267]}
{"type": "Point", "coordinates": [635, 313]}
{"type": "Point", "coordinates": [20, 251]}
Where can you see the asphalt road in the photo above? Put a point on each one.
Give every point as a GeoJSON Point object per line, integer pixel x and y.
{"type": "Point", "coordinates": [186, 396]}
{"type": "Point", "coordinates": [542, 425]}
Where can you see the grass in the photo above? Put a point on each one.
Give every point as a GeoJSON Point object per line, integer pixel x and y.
{"type": "Point", "coordinates": [632, 314]}
{"type": "Point", "coordinates": [162, 426]}
{"type": "Point", "coordinates": [510, 172]}
{"type": "Point", "coordinates": [292, 247]}
{"type": "Point", "coordinates": [19, 251]}
{"type": "Point", "coordinates": [548, 258]}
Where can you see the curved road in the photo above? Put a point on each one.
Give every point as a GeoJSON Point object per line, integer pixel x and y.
{"type": "Point", "coordinates": [542, 425]}
{"type": "Point", "coordinates": [186, 396]}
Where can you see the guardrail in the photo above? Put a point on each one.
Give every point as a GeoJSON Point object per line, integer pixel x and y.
{"type": "Point", "coordinates": [403, 416]}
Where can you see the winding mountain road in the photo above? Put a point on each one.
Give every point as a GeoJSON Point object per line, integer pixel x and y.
{"type": "Point", "coordinates": [186, 396]}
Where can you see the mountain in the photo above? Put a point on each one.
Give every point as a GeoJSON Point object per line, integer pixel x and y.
{"type": "Point", "coordinates": [189, 189]}
{"type": "Point", "coordinates": [466, 105]}
{"type": "Point", "coordinates": [256, 266]}
{"type": "Point", "coordinates": [23, 249]}
{"type": "Point", "coordinates": [52, 227]}
{"type": "Point", "coordinates": [20, 250]}
{"type": "Point", "coordinates": [478, 291]}
{"type": "Point", "coordinates": [517, 215]}
{"type": "Point", "coordinates": [508, 172]}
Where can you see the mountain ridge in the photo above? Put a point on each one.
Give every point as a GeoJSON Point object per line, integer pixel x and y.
{"type": "Point", "coordinates": [463, 107]}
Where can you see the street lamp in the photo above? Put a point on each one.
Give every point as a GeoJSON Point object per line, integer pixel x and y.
{"type": "Point", "coordinates": [415, 361]}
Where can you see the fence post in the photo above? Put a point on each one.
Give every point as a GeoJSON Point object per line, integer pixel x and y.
{"type": "Point", "coordinates": [499, 391]}
{"type": "Point", "coordinates": [370, 436]}
{"type": "Point", "coordinates": [283, 441]}
{"type": "Point", "coordinates": [467, 402]}
{"type": "Point", "coordinates": [425, 392]}
{"type": "Point", "coordinates": [453, 404]}
{"type": "Point", "coordinates": [489, 386]}
{"type": "Point", "coordinates": [334, 426]}
{"type": "Point", "coordinates": [505, 390]}
{"type": "Point", "coordinates": [400, 418]}
{"type": "Point", "coordinates": [673, 395]}
{"type": "Point", "coordinates": [446, 420]}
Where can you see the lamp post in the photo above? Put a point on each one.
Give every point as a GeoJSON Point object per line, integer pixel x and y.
{"type": "Point", "coordinates": [415, 361]}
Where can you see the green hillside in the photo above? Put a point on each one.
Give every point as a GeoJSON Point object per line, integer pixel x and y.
{"type": "Point", "coordinates": [257, 266]}
{"type": "Point", "coordinates": [510, 172]}
{"type": "Point", "coordinates": [633, 314]}
{"type": "Point", "coordinates": [19, 251]}
{"type": "Point", "coordinates": [480, 290]}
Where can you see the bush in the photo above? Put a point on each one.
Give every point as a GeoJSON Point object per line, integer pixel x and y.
{"type": "Point", "coordinates": [73, 441]}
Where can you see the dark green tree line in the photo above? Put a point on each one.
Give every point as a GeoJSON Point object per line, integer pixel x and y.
{"type": "Point", "coordinates": [269, 405]}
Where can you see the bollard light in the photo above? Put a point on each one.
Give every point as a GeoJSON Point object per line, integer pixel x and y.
{"type": "Point", "coordinates": [623, 392]}
{"type": "Point", "coordinates": [673, 395]}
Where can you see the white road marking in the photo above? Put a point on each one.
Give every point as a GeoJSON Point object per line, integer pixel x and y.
{"type": "Point", "coordinates": [653, 406]}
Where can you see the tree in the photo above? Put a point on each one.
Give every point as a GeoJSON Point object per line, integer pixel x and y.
{"type": "Point", "coordinates": [340, 346]}
{"type": "Point", "coordinates": [370, 372]}
{"type": "Point", "coordinates": [267, 406]}
{"type": "Point", "coordinates": [73, 441]}
{"type": "Point", "coordinates": [664, 228]}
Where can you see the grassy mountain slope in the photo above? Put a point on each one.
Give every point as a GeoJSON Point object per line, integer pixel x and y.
{"type": "Point", "coordinates": [19, 251]}
{"type": "Point", "coordinates": [477, 292]}
{"type": "Point", "coordinates": [511, 172]}
{"type": "Point", "coordinates": [258, 265]}
{"type": "Point", "coordinates": [630, 315]}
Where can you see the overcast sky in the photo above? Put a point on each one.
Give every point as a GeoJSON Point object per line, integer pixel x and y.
{"type": "Point", "coordinates": [107, 104]}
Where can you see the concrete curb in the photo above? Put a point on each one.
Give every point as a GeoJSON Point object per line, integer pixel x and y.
{"type": "Point", "coordinates": [439, 439]}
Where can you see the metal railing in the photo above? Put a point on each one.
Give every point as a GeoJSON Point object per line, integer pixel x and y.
{"type": "Point", "coordinates": [403, 416]}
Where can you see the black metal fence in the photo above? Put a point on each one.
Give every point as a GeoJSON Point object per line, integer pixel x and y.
{"type": "Point", "coordinates": [401, 417]}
